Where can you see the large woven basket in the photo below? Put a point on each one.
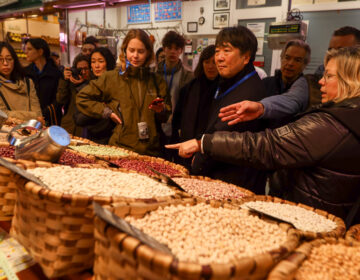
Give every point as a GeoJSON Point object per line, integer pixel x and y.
{"type": "Point", "coordinates": [287, 268]}
{"type": "Point", "coordinates": [339, 231]}
{"type": "Point", "coordinates": [8, 182]}
{"type": "Point", "coordinates": [57, 228]}
{"type": "Point", "coordinates": [353, 234]}
{"type": "Point", "coordinates": [120, 256]}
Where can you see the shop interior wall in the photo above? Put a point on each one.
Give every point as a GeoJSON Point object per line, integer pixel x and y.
{"type": "Point", "coordinates": [117, 18]}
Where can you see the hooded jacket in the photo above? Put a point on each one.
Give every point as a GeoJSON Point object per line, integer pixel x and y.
{"type": "Point", "coordinates": [128, 96]}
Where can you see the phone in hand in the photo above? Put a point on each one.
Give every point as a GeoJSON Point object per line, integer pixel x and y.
{"type": "Point", "coordinates": [157, 101]}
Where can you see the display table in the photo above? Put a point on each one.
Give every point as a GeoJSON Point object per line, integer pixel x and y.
{"type": "Point", "coordinates": [35, 272]}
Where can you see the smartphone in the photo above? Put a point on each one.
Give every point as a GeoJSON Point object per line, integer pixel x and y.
{"type": "Point", "coordinates": [157, 100]}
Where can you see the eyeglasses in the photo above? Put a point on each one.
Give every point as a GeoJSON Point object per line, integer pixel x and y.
{"type": "Point", "coordinates": [87, 49]}
{"type": "Point", "coordinates": [83, 69]}
{"type": "Point", "coordinates": [327, 76]}
{"type": "Point", "coordinates": [8, 60]}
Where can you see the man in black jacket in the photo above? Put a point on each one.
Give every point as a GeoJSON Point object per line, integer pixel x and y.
{"type": "Point", "coordinates": [235, 52]}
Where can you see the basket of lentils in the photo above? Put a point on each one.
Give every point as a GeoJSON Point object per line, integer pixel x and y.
{"type": "Point", "coordinates": [353, 234]}
{"type": "Point", "coordinates": [207, 239]}
{"type": "Point", "coordinates": [210, 189]}
{"type": "Point", "coordinates": [310, 222]}
{"type": "Point", "coordinates": [55, 221]}
{"type": "Point", "coordinates": [327, 258]}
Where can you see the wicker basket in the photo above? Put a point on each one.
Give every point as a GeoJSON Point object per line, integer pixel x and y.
{"type": "Point", "coordinates": [120, 256]}
{"type": "Point", "coordinates": [57, 228]}
{"type": "Point", "coordinates": [353, 234]}
{"type": "Point", "coordinates": [182, 170]}
{"type": "Point", "coordinates": [8, 183]}
{"type": "Point", "coordinates": [339, 231]}
{"type": "Point", "coordinates": [287, 268]}
{"type": "Point", "coordinates": [248, 195]}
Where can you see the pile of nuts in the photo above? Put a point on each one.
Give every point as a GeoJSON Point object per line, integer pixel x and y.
{"type": "Point", "coordinates": [72, 159]}
{"type": "Point", "coordinates": [142, 166]}
{"type": "Point", "coordinates": [209, 189]}
{"type": "Point", "coordinates": [99, 150]}
{"type": "Point", "coordinates": [331, 261]}
{"type": "Point", "coordinates": [204, 234]}
{"type": "Point", "coordinates": [100, 182]}
{"type": "Point", "coordinates": [7, 151]}
{"type": "Point", "coordinates": [301, 218]}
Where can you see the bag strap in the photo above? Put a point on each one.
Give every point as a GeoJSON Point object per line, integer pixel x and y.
{"type": "Point", "coordinates": [28, 90]}
{"type": "Point", "coordinates": [5, 102]}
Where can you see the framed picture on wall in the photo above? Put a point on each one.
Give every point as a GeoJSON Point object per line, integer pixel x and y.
{"type": "Point", "coordinates": [220, 20]}
{"type": "Point", "coordinates": [221, 5]}
{"type": "Point", "coordinates": [192, 26]}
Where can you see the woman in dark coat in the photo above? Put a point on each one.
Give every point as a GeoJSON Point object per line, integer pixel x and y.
{"type": "Point", "coordinates": [317, 154]}
{"type": "Point", "coordinates": [45, 75]}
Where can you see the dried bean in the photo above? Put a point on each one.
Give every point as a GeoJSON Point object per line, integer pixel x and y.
{"type": "Point", "coordinates": [72, 159]}
{"type": "Point", "coordinates": [331, 261]}
{"type": "Point", "coordinates": [99, 150]}
{"type": "Point", "coordinates": [8, 151]}
{"type": "Point", "coordinates": [204, 234]}
{"type": "Point", "coordinates": [142, 166]}
{"type": "Point", "coordinates": [209, 189]}
{"type": "Point", "coordinates": [300, 217]}
{"type": "Point", "coordinates": [100, 182]}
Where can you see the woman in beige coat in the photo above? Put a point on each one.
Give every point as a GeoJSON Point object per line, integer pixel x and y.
{"type": "Point", "coordinates": [17, 94]}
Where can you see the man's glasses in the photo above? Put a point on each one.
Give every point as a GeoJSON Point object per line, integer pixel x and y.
{"type": "Point", "coordinates": [8, 60]}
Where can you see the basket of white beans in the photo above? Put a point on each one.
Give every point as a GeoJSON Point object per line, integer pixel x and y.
{"type": "Point", "coordinates": [56, 223]}
{"type": "Point", "coordinates": [311, 223]}
{"type": "Point", "coordinates": [353, 234]}
{"type": "Point", "coordinates": [328, 258]}
{"type": "Point", "coordinates": [207, 239]}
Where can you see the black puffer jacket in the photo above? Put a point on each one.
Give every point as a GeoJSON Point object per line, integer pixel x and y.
{"type": "Point", "coordinates": [318, 155]}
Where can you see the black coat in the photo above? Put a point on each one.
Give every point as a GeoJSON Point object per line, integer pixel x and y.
{"type": "Point", "coordinates": [46, 85]}
{"type": "Point", "coordinates": [247, 177]}
{"type": "Point", "coordinates": [317, 155]}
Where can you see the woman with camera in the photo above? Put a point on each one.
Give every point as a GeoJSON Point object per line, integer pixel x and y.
{"type": "Point", "coordinates": [97, 130]}
{"type": "Point", "coordinates": [75, 78]}
{"type": "Point", "coordinates": [17, 93]}
{"type": "Point", "coordinates": [132, 96]}
{"type": "Point", "coordinates": [45, 76]}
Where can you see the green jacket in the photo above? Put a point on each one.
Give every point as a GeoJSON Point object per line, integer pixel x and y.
{"type": "Point", "coordinates": [66, 95]}
{"type": "Point", "coordinates": [129, 97]}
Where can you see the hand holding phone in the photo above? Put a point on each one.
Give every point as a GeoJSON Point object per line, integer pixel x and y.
{"type": "Point", "coordinates": [157, 105]}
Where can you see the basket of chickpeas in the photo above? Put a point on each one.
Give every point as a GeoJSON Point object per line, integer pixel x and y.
{"type": "Point", "coordinates": [54, 222]}
{"type": "Point", "coordinates": [328, 258]}
{"type": "Point", "coordinates": [207, 240]}
{"type": "Point", "coordinates": [353, 234]}
{"type": "Point", "coordinates": [310, 222]}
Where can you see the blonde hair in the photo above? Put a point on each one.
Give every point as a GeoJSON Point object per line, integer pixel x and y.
{"type": "Point", "coordinates": [348, 71]}
{"type": "Point", "coordinates": [144, 38]}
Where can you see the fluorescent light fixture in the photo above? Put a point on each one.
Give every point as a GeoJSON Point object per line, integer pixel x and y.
{"type": "Point", "coordinates": [75, 6]}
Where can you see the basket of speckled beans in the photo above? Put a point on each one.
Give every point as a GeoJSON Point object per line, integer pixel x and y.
{"type": "Point", "coordinates": [55, 223]}
{"type": "Point", "coordinates": [208, 239]}
{"type": "Point", "coordinates": [327, 258]}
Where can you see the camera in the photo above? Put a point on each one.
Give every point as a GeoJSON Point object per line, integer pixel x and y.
{"type": "Point", "coordinates": [75, 72]}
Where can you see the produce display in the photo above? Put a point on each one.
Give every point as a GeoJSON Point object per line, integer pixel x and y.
{"type": "Point", "coordinates": [301, 218]}
{"type": "Point", "coordinates": [205, 234]}
{"type": "Point", "coordinates": [67, 158]}
{"type": "Point", "coordinates": [331, 261]}
{"type": "Point", "coordinates": [209, 189]}
{"type": "Point", "coordinates": [100, 182]}
{"type": "Point", "coordinates": [143, 166]}
{"type": "Point", "coordinates": [99, 150]}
